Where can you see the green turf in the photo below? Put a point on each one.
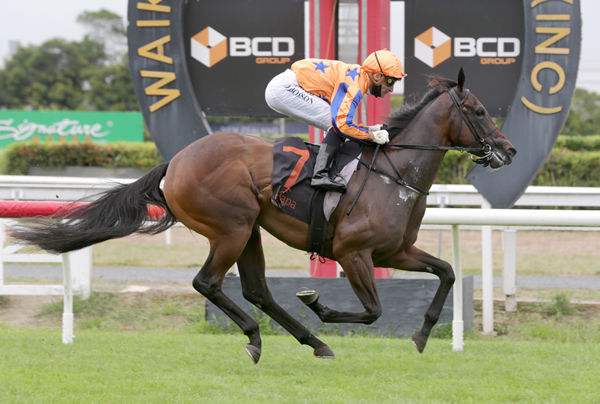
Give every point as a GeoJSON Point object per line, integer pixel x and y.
{"type": "Point", "coordinates": [169, 367]}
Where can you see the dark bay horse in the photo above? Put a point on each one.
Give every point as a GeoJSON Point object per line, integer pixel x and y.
{"type": "Point", "coordinates": [220, 187]}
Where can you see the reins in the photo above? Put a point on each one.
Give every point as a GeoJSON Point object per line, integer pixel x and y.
{"type": "Point", "coordinates": [362, 187]}
{"type": "Point", "coordinates": [397, 179]}
{"type": "Point", "coordinates": [435, 148]}
{"type": "Point", "coordinates": [459, 103]}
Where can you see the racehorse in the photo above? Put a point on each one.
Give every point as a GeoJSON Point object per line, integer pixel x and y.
{"type": "Point", "coordinates": [220, 187]}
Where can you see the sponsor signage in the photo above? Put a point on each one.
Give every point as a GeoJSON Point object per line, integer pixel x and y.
{"type": "Point", "coordinates": [160, 77]}
{"type": "Point", "coordinates": [73, 126]}
{"type": "Point", "coordinates": [483, 37]}
{"type": "Point", "coordinates": [232, 57]}
{"type": "Point", "coordinates": [541, 102]}
{"type": "Point", "coordinates": [521, 59]}
{"type": "Point", "coordinates": [196, 58]}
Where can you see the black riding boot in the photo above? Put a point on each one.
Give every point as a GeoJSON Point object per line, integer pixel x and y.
{"type": "Point", "coordinates": [320, 179]}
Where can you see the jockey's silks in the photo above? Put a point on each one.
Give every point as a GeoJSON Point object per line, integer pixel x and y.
{"type": "Point", "coordinates": [342, 85]}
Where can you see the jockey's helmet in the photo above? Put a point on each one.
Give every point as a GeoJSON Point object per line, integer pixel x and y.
{"type": "Point", "coordinates": [384, 62]}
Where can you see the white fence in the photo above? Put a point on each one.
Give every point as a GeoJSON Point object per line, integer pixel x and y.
{"type": "Point", "coordinates": [467, 195]}
{"type": "Point", "coordinates": [68, 189]}
{"type": "Point", "coordinates": [39, 188]}
{"type": "Point", "coordinates": [497, 217]}
{"type": "Point", "coordinates": [534, 196]}
{"type": "Point", "coordinates": [80, 259]}
{"type": "Point", "coordinates": [77, 265]}
{"type": "Point", "coordinates": [73, 281]}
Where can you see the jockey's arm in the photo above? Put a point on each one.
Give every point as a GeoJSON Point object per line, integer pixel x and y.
{"type": "Point", "coordinates": [344, 107]}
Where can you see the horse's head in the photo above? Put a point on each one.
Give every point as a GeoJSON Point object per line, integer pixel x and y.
{"type": "Point", "coordinates": [474, 128]}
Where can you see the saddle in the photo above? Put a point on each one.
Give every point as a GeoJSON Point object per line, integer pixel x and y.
{"type": "Point", "coordinates": [293, 164]}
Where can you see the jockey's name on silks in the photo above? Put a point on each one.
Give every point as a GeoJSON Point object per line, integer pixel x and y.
{"type": "Point", "coordinates": [341, 85]}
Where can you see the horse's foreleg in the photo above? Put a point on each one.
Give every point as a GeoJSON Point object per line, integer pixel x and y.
{"type": "Point", "coordinates": [417, 260]}
{"type": "Point", "coordinates": [208, 282]}
{"type": "Point", "coordinates": [358, 267]}
{"type": "Point", "coordinates": [251, 267]}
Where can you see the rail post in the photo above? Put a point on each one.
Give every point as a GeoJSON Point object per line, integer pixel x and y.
{"type": "Point", "coordinates": [80, 264]}
{"type": "Point", "coordinates": [457, 312]}
{"type": "Point", "coordinates": [487, 276]}
{"type": "Point", "coordinates": [67, 328]}
{"type": "Point", "coordinates": [509, 274]}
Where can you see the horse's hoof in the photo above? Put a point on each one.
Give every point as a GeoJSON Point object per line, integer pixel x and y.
{"type": "Point", "coordinates": [419, 340]}
{"type": "Point", "coordinates": [254, 352]}
{"type": "Point", "coordinates": [308, 296]}
{"type": "Point", "coordinates": [324, 352]}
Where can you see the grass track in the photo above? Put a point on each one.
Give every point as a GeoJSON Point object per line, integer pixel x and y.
{"type": "Point", "coordinates": [164, 367]}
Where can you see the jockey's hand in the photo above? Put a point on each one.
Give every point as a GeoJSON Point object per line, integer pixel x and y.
{"type": "Point", "coordinates": [381, 136]}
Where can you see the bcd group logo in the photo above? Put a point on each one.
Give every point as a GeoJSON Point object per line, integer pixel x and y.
{"type": "Point", "coordinates": [209, 47]}
{"type": "Point", "coordinates": [433, 47]}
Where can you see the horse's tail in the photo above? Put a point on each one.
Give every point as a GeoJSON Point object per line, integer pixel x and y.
{"type": "Point", "coordinates": [117, 212]}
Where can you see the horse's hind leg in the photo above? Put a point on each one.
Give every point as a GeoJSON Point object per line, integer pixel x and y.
{"type": "Point", "coordinates": [208, 281]}
{"type": "Point", "coordinates": [251, 267]}
{"type": "Point", "coordinates": [419, 261]}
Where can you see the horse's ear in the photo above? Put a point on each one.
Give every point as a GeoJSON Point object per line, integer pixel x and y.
{"type": "Point", "coordinates": [461, 79]}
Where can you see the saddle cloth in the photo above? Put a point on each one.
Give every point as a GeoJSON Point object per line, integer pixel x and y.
{"type": "Point", "coordinates": [293, 163]}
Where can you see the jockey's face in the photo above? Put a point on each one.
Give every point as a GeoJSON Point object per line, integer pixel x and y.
{"type": "Point", "coordinates": [381, 85]}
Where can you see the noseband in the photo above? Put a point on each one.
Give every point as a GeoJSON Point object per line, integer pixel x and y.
{"type": "Point", "coordinates": [459, 103]}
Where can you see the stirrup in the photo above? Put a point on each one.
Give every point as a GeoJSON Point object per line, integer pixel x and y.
{"type": "Point", "coordinates": [326, 184]}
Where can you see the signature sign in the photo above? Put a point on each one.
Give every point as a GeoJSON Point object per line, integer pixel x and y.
{"type": "Point", "coordinates": [97, 126]}
{"type": "Point", "coordinates": [9, 129]}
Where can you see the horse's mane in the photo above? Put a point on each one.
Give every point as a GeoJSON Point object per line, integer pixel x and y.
{"type": "Point", "coordinates": [401, 118]}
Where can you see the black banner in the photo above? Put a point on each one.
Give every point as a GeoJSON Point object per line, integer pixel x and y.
{"type": "Point", "coordinates": [541, 103]}
{"type": "Point", "coordinates": [191, 58]}
{"type": "Point", "coordinates": [160, 77]}
{"type": "Point", "coordinates": [483, 37]}
{"type": "Point", "coordinates": [234, 48]}
{"type": "Point", "coordinates": [521, 58]}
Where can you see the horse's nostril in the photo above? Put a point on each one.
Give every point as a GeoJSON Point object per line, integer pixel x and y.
{"type": "Point", "coordinates": [510, 153]}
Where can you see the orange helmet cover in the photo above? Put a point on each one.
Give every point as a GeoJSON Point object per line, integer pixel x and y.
{"type": "Point", "coordinates": [389, 64]}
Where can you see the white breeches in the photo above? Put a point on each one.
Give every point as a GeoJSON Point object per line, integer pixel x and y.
{"type": "Point", "coordinates": [284, 95]}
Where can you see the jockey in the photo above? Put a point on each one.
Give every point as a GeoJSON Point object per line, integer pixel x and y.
{"type": "Point", "coordinates": [326, 94]}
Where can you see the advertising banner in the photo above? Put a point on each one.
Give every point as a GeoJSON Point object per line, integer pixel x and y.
{"type": "Point", "coordinates": [541, 103]}
{"type": "Point", "coordinates": [159, 72]}
{"type": "Point", "coordinates": [196, 58]}
{"type": "Point", "coordinates": [72, 126]}
{"type": "Point", "coordinates": [233, 51]}
{"type": "Point", "coordinates": [483, 37]}
{"type": "Point", "coordinates": [521, 59]}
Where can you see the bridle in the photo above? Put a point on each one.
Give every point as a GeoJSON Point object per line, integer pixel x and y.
{"type": "Point", "coordinates": [459, 103]}
{"type": "Point", "coordinates": [485, 148]}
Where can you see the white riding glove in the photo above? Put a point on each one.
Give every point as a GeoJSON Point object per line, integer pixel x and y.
{"type": "Point", "coordinates": [373, 128]}
{"type": "Point", "coordinates": [381, 136]}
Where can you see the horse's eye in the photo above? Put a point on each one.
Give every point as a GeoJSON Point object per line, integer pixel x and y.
{"type": "Point", "coordinates": [480, 112]}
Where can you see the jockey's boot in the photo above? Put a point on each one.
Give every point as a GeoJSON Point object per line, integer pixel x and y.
{"type": "Point", "coordinates": [320, 179]}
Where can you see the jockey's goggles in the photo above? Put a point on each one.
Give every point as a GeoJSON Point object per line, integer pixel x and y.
{"type": "Point", "coordinates": [390, 81]}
